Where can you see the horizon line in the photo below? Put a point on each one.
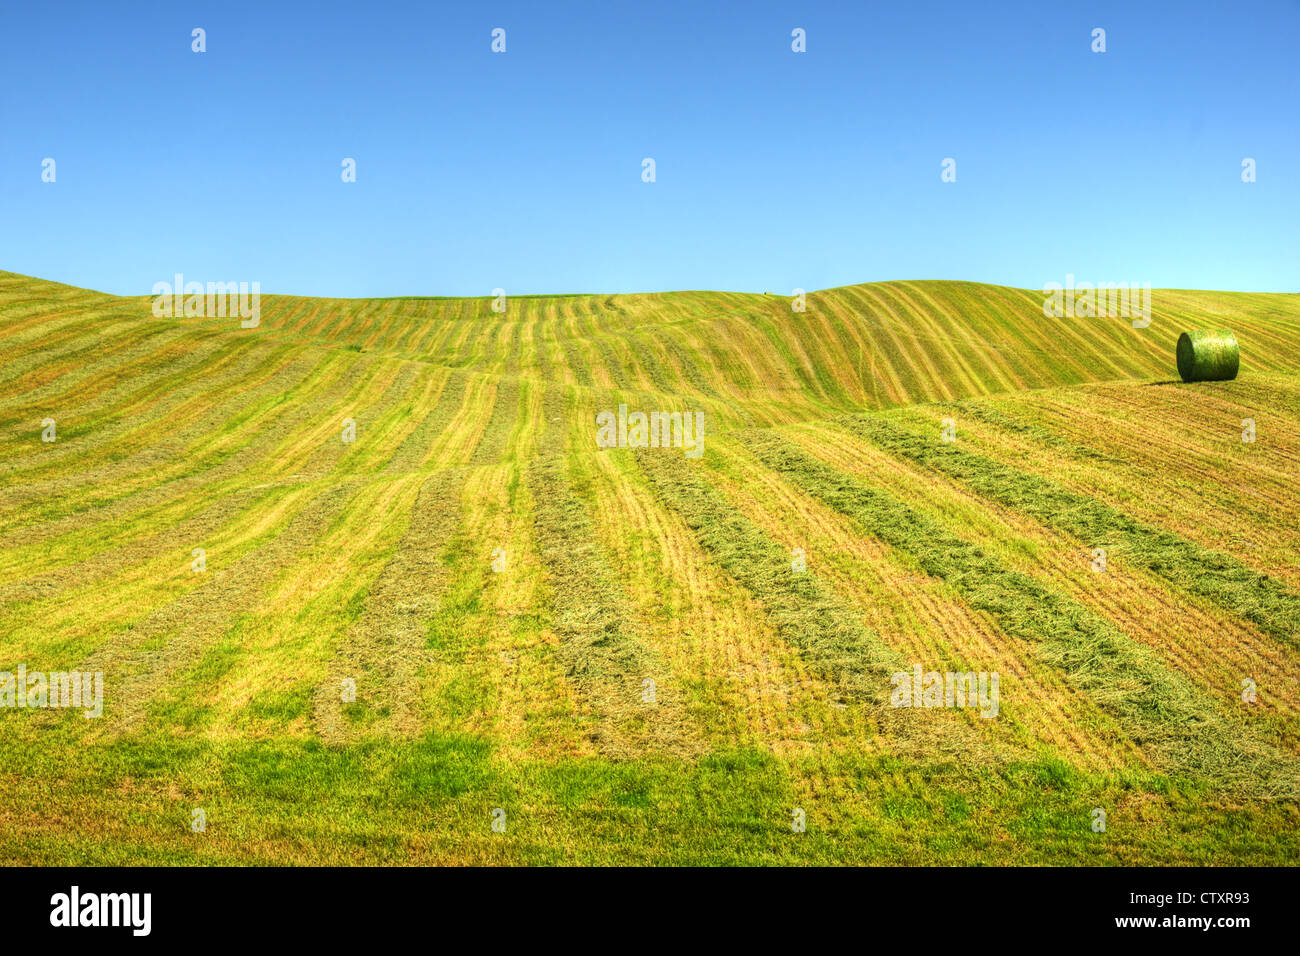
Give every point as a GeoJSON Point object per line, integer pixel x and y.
{"type": "Point", "coordinates": [560, 295]}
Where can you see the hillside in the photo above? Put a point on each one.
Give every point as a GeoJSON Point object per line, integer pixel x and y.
{"type": "Point", "coordinates": [500, 589]}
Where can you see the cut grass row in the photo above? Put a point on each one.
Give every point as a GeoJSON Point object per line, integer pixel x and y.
{"type": "Point", "coordinates": [604, 660]}
{"type": "Point", "coordinates": [1159, 708]}
{"type": "Point", "coordinates": [1263, 600]}
{"type": "Point", "coordinates": [925, 619]}
{"type": "Point", "coordinates": [1171, 457]}
{"type": "Point", "coordinates": [1145, 607]}
{"type": "Point", "coordinates": [827, 634]}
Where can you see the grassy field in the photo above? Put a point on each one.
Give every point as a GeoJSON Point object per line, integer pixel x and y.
{"type": "Point", "coordinates": [501, 590]}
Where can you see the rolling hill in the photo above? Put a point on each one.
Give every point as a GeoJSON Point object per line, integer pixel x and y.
{"type": "Point", "coordinates": [622, 655]}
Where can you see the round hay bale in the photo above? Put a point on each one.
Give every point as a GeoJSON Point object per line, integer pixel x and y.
{"type": "Point", "coordinates": [1208, 356]}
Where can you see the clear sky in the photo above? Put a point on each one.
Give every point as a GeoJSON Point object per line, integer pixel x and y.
{"type": "Point", "coordinates": [774, 169]}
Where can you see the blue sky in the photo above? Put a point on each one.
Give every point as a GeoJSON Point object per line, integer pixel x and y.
{"type": "Point", "coordinates": [775, 170]}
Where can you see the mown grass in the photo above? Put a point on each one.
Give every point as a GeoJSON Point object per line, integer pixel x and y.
{"type": "Point", "coordinates": [827, 634]}
{"type": "Point", "coordinates": [1217, 577]}
{"type": "Point", "coordinates": [1160, 708]}
{"type": "Point", "coordinates": [523, 690]}
{"type": "Point", "coordinates": [604, 659]}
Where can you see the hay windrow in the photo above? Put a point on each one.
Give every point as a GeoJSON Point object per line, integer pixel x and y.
{"type": "Point", "coordinates": [386, 651]}
{"type": "Point", "coordinates": [604, 659]}
{"type": "Point", "coordinates": [505, 413]}
{"type": "Point", "coordinates": [1160, 708]}
{"type": "Point", "coordinates": [1264, 601]}
{"type": "Point", "coordinates": [826, 633]}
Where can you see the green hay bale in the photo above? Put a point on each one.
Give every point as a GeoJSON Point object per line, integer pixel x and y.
{"type": "Point", "coordinates": [1208, 356]}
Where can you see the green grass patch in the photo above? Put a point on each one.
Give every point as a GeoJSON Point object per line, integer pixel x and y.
{"type": "Point", "coordinates": [432, 800]}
